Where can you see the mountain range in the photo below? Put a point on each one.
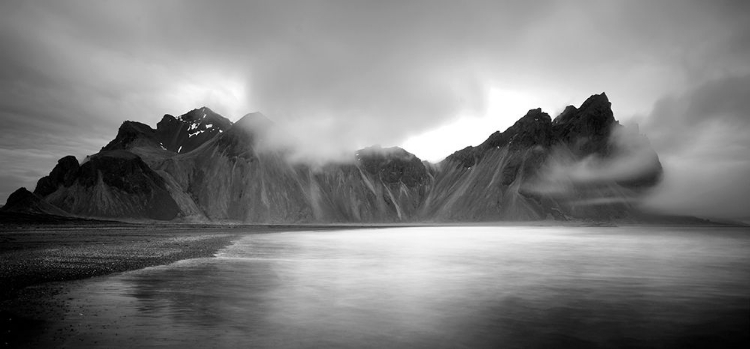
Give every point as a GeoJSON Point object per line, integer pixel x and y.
{"type": "Point", "coordinates": [201, 167]}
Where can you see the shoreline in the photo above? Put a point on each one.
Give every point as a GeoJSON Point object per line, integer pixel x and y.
{"type": "Point", "coordinates": [34, 254]}
{"type": "Point", "coordinates": [39, 263]}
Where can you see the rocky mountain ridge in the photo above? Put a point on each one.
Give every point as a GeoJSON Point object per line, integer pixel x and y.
{"type": "Point", "coordinates": [202, 167]}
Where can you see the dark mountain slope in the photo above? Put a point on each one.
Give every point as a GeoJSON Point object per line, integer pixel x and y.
{"type": "Point", "coordinates": [172, 135]}
{"type": "Point", "coordinates": [231, 179]}
{"type": "Point", "coordinates": [189, 131]}
{"type": "Point", "coordinates": [116, 184]}
{"type": "Point", "coordinates": [227, 179]}
{"type": "Point", "coordinates": [200, 166]}
{"type": "Point", "coordinates": [26, 202]}
{"type": "Point", "coordinates": [63, 174]}
{"type": "Point", "coordinates": [530, 171]}
{"type": "Point", "coordinates": [381, 185]}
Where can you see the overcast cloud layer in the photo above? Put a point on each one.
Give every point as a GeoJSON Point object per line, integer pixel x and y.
{"type": "Point", "coordinates": [340, 75]}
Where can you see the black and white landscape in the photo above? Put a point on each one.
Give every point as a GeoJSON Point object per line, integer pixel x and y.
{"type": "Point", "coordinates": [369, 174]}
{"type": "Point", "coordinates": [201, 167]}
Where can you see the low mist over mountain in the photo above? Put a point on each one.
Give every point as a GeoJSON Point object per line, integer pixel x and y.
{"type": "Point", "coordinates": [201, 167]}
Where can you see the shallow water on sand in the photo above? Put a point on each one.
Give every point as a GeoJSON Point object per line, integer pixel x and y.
{"type": "Point", "coordinates": [435, 287]}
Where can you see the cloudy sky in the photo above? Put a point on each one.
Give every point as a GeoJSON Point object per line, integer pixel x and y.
{"type": "Point", "coordinates": [430, 76]}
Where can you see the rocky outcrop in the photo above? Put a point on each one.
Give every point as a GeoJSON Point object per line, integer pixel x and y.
{"type": "Point", "coordinates": [199, 166]}
{"type": "Point", "coordinates": [543, 169]}
{"type": "Point", "coordinates": [179, 135]}
{"type": "Point", "coordinates": [189, 131]}
{"type": "Point", "coordinates": [532, 130]}
{"type": "Point", "coordinates": [63, 174]}
{"type": "Point", "coordinates": [24, 201]}
{"type": "Point", "coordinates": [110, 184]}
{"type": "Point", "coordinates": [586, 130]}
{"type": "Point", "coordinates": [132, 134]}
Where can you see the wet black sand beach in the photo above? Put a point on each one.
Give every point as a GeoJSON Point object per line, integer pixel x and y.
{"type": "Point", "coordinates": [428, 286]}
{"type": "Point", "coordinates": [39, 258]}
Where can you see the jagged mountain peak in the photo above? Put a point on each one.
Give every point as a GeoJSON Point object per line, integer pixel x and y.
{"type": "Point", "coordinates": [588, 127]}
{"type": "Point", "coordinates": [534, 114]}
{"type": "Point", "coordinates": [63, 174]}
{"type": "Point", "coordinates": [135, 125]}
{"type": "Point", "coordinates": [204, 118]}
{"type": "Point", "coordinates": [173, 134]}
{"type": "Point", "coordinates": [143, 174]}
{"type": "Point", "coordinates": [112, 183]}
{"type": "Point", "coordinates": [24, 201]}
{"type": "Point", "coordinates": [191, 130]}
{"type": "Point", "coordinates": [198, 114]}
{"type": "Point", "coordinates": [597, 109]}
{"type": "Point", "coordinates": [534, 119]}
{"type": "Point", "coordinates": [132, 134]}
{"type": "Point", "coordinates": [568, 113]}
{"type": "Point", "coordinates": [596, 100]}
{"type": "Point", "coordinates": [533, 129]}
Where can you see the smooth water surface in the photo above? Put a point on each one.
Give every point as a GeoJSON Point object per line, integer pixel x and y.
{"type": "Point", "coordinates": [436, 287]}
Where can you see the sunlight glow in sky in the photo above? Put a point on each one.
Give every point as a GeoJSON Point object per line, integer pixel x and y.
{"type": "Point", "coordinates": [430, 76]}
{"type": "Point", "coordinates": [224, 95]}
{"type": "Point", "coordinates": [504, 108]}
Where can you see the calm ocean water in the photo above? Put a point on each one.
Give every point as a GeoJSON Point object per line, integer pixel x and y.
{"type": "Point", "coordinates": [445, 287]}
